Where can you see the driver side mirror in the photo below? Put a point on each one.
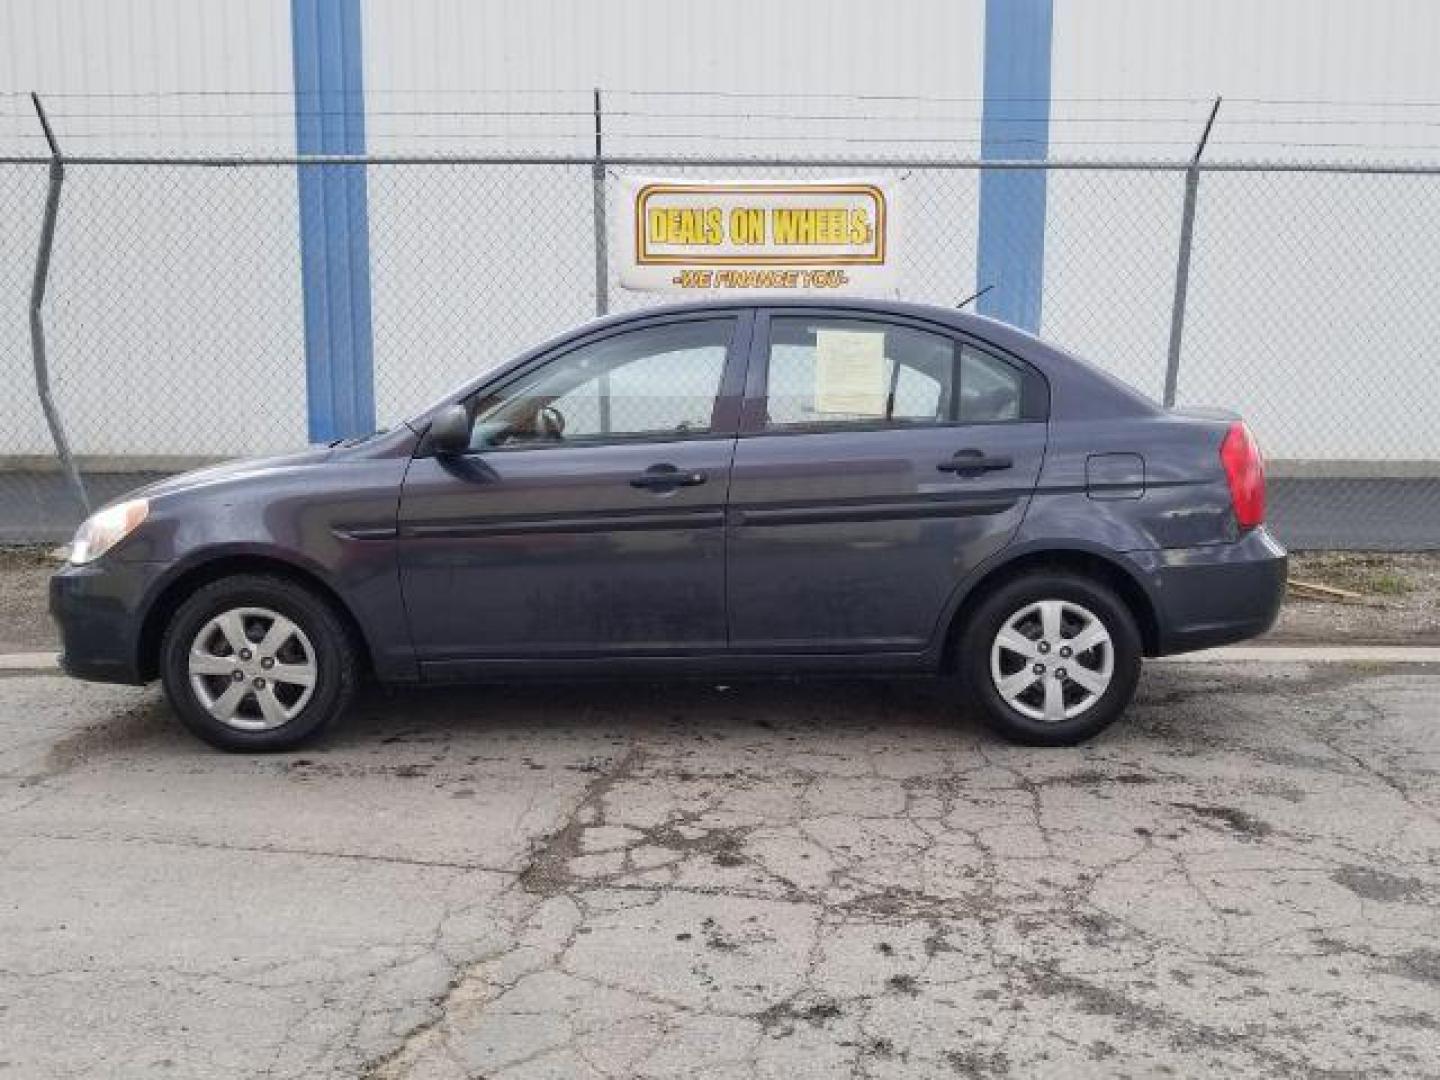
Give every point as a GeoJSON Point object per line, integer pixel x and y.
{"type": "Point", "coordinates": [450, 430]}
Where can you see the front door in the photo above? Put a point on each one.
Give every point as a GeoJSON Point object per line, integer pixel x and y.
{"type": "Point", "coordinates": [879, 461]}
{"type": "Point", "coordinates": [587, 518]}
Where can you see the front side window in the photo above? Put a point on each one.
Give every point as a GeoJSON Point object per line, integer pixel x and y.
{"type": "Point", "coordinates": [827, 371]}
{"type": "Point", "coordinates": [656, 382]}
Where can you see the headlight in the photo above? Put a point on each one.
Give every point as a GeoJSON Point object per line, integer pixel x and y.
{"type": "Point", "coordinates": [102, 531]}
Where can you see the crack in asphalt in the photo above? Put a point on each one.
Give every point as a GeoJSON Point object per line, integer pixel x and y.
{"type": "Point", "coordinates": [196, 844]}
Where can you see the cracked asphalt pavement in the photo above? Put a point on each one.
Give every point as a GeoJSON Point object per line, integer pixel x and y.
{"type": "Point", "coordinates": [839, 879]}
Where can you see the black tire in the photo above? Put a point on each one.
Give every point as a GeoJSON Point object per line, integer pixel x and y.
{"type": "Point", "coordinates": [334, 659]}
{"type": "Point", "coordinates": [997, 608]}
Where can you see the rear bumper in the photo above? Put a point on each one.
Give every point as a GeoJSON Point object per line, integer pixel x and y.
{"type": "Point", "coordinates": [99, 609]}
{"type": "Point", "coordinates": [1216, 594]}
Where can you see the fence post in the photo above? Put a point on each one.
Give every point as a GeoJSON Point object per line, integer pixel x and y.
{"type": "Point", "coordinates": [602, 254]}
{"type": "Point", "coordinates": [1182, 264]}
{"type": "Point", "coordinates": [37, 302]}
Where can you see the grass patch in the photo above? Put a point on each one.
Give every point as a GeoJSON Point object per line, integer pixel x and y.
{"type": "Point", "coordinates": [1388, 583]}
{"type": "Point", "coordinates": [1371, 574]}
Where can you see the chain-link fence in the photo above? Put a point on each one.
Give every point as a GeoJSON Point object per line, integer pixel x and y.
{"type": "Point", "coordinates": [174, 318]}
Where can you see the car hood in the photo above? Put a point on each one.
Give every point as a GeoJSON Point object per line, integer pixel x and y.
{"type": "Point", "coordinates": [232, 470]}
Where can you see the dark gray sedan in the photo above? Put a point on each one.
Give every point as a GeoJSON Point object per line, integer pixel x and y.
{"type": "Point", "coordinates": [736, 488]}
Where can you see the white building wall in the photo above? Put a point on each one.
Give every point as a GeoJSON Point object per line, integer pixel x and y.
{"type": "Point", "coordinates": [177, 291]}
{"type": "Point", "coordinates": [175, 323]}
{"type": "Point", "coordinates": [1313, 303]}
{"type": "Point", "coordinates": [686, 80]}
{"type": "Point", "coordinates": [805, 47]}
{"type": "Point", "coordinates": [139, 75]}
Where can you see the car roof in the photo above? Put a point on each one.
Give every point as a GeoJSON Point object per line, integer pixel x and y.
{"type": "Point", "coordinates": [963, 320]}
{"type": "Point", "coordinates": [993, 331]}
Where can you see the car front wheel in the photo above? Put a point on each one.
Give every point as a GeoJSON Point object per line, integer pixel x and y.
{"type": "Point", "coordinates": [1051, 658]}
{"type": "Point", "coordinates": [256, 662]}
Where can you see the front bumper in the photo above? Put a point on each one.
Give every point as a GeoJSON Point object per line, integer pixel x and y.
{"type": "Point", "coordinates": [1216, 594]}
{"type": "Point", "coordinates": [99, 609]}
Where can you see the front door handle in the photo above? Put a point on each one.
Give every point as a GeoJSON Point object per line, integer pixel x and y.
{"type": "Point", "coordinates": [972, 462]}
{"type": "Point", "coordinates": [666, 477]}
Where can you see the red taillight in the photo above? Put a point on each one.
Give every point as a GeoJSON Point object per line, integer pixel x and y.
{"type": "Point", "coordinates": [1245, 470]}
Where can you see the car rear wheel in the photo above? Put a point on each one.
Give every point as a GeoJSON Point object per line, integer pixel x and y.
{"type": "Point", "coordinates": [1051, 658]}
{"type": "Point", "coordinates": [256, 662]}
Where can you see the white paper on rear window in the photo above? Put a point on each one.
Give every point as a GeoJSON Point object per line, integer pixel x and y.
{"type": "Point", "coordinates": [851, 373]}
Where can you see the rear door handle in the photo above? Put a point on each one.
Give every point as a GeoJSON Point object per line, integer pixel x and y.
{"type": "Point", "coordinates": [665, 477]}
{"type": "Point", "coordinates": [973, 462]}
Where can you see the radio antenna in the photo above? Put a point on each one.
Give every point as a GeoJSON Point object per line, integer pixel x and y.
{"type": "Point", "coordinates": [974, 296]}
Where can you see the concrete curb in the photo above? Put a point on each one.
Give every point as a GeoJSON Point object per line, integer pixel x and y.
{"type": "Point", "coordinates": [1314, 654]}
{"type": "Point", "coordinates": [30, 661]}
{"type": "Point", "coordinates": [42, 663]}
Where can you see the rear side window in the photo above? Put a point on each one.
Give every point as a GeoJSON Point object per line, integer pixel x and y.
{"type": "Point", "coordinates": [990, 388]}
{"type": "Point", "coordinates": [824, 372]}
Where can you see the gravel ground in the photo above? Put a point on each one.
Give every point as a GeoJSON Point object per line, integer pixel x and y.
{"type": "Point", "coordinates": [1401, 603]}
{"type": "Point", "coordinates": [1240, 879]}
{"type": "Point", "coordinates": [24, 621]}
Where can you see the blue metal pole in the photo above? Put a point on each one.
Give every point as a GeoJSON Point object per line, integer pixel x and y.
{"type": "Point", "coordinates": [334, 218]}
{"type": "Point", "coordinates": [1015, 125]}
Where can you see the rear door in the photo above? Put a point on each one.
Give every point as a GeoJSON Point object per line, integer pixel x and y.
{"type": "Point", "coordinates": [879, 460]}
{"type": "Point", "coordinates": [587, 520]}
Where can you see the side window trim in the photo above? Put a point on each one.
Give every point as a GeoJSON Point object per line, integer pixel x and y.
{"type": "Point", "coordinates": [1035, 392]}
{"type": "Point", "coordinates": [757, 370]}
{"type": "Point", "coordinates": [725, 412]}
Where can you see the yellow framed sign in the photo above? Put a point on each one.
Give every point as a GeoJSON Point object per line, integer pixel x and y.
{"type": "Point", "coordinates": [812, 237]}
